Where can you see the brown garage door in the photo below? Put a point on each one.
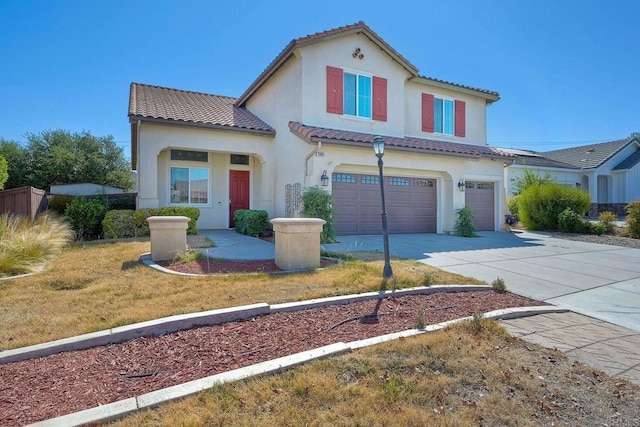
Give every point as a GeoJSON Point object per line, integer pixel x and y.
{"type": "Point", "coordinates": [411, 204]}
{"type": "Point", "coordinates": [479, 197]}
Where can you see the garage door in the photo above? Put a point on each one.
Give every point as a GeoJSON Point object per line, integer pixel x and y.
{"type": "Point", "coordinates": [479, 197]}
{"type": "Point", "coordinates": [411, 204]}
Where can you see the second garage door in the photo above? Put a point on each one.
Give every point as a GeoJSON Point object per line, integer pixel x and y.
{"type": "Point", "coordinates": [411, 204]}
{"type": "Point", "coordinates": [479, 197]}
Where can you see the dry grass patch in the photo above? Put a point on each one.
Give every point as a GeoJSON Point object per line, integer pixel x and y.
{"type": "Point", "coordinates": [468, 375]}
{"type": "Point", "coordinates": [95, 287]}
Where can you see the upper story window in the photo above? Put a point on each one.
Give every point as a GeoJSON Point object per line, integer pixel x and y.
{"type": "Point", "coordinates": [189, 185]}
{"type": "Point", "coordinates": [445, 116]}
{"type": "Point", "coordinates": [357, 95]}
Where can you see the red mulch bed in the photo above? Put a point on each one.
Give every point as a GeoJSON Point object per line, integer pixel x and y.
{"type": "Point", "coordinates": [46, 387]}
{"type": "Point", "coordinates": [226, 266]}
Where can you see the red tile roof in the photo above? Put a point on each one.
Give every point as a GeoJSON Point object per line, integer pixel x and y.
{"type": "Point", "coordinates": [313, 133]}
{"type": "Point", "coordinates": [181, 106]}
{"type": "Point", "coordinates": [358, 27]}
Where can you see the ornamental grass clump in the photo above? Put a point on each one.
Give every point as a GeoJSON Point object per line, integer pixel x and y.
{"type": "Point", "coordinates": [26, 245]}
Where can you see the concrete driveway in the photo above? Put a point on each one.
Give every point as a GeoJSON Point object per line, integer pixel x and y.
{"type": "Point", "coordinates": [600, 281]}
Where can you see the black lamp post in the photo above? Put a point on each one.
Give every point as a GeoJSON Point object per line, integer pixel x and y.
{"type": "Point", "coordinates": [378, 147]}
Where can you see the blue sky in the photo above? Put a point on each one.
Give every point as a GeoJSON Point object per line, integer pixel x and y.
{"type": "Point", "coordinates": [567, 71]}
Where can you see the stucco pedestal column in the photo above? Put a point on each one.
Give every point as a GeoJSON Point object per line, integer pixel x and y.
{"type": "Point", "coordinates": [168, 236]}
{"type": "Point", "coordinates": [297, 242]}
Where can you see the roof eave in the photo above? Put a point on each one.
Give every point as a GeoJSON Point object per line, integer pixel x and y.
{"type": "Point", "coordinates": [362, 144]}
{"type": "Point", "coordinates": [134, 119]}
{"type": "Point", "coordinates": [489, 97]}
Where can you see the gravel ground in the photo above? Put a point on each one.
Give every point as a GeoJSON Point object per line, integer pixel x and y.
{"type": "Point", "coordinates": [626, 242]}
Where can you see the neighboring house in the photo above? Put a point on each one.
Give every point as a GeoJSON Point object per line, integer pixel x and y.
{"type": "Point", "coordinates": [315, 111]}
{"type": "Point", "coordinates": [84, 189]}
{"type": "Point", "coordinates": [609, 171]}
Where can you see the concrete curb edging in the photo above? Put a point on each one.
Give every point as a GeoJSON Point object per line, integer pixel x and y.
{"type": "Point", "coordinates": [349, 299]}
{"type": "Point", "coordinates": [180, 322]}
{"type": "Point", "coordinates": [122, 408]}
{"type": "Point", "coordinates": [160, 326]}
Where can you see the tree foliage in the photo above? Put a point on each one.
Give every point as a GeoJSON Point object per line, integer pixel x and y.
{"type": "Point", "coordinates": [3, 172]}
{"type": "Point", "coordinates": [61, 157]}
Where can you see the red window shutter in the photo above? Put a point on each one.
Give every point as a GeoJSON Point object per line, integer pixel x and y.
{"type": "Point", "coordinates": [380, 99]}
{"type": "Point", "coordinates": [334, 90]}
{"type": "Point", "coordinates": [427, 112]}
{"type": "Point", "coordinates": [459, 118]}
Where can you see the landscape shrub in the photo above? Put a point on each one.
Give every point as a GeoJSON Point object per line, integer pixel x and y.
{"type": "Point", "coordinates": [608, 220]}
{"type": "Point", "coordinates": [512, 205]}
{"type": "Point", "coordinates": [571, 222]}
{"type": "Point", "coordinates": [59, 202]}
{"type": "Point", "coordinates": [120, 224]}
{"type": "Point", "coordinates": [540, 205]}
{"type": "Point", "coordinates": [85, 216]}
{"type": "Point", "coordinates": [192, 213]}
{"type": "Point", "coordinates": [251, 222]}
{"type": "Point", "coordinates": [317, 203]}
{"type": "Point", "coordinates": [633, 219]}
{"type": "Point", "coordinates": [464, 222]}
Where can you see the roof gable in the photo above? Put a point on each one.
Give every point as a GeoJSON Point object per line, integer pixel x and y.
{"type": "Point", "coordinates": [357, 28]}
{"type": "Point", "coordinates": [589, 156]}
{"type": "Point", "coordinates": [629, 162]}
{"type": "Point", "coordinates": [169, 105]}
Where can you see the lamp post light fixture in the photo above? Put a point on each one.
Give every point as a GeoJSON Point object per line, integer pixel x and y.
{"type": "Point", "coordinates": [378, 148]}
{"type": "Point", "coordinates": [324, 178]}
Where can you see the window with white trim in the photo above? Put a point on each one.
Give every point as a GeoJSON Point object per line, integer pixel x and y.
{"type": "Point", "coordinates": [357, 95]}
{"type": "Point", "coordinates": [189, 185]}
{"type": "Point", "coordinates": [443, 116]}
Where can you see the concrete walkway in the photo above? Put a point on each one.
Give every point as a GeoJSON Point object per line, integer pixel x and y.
{"type": "Point", "coordinates": [610, 348]}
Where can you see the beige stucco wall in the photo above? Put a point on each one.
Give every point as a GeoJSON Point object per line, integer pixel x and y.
{"type": "Point", "coordinates": [155, 143]}
{"type": "Point", "coordinates": [475, 114]}
{"type": "Point", "coordinates": [446, 170]}
{"type": "Point", "coordinates": [339, 53]}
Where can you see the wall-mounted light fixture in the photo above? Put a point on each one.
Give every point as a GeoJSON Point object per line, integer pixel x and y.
{"type": "Point", "coordinates": [461, 184]}
{"type": "Point", "coordinates": [324, 178]}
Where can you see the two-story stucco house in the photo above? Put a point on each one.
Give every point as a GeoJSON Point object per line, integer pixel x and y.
{"type": "Point", "coordinates": [314, 112]}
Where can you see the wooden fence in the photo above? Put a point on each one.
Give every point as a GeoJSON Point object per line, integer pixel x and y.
{"type": "Point", "coordinates": [27, 201]}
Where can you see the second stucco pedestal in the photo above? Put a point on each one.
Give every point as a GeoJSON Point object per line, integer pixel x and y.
{"type": "Point", "coordinates": [168, 236]}
{"type": "Point", "coordinates": [297, 242]}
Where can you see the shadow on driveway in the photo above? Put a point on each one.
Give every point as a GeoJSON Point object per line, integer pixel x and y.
{"type": "Point", "coordinates": [421, 246]}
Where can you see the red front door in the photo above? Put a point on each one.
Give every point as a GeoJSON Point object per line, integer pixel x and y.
{"type": "Point", "coordinates": [238, 193]}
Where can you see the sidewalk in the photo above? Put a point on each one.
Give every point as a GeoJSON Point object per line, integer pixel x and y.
{"type": "Point", "coordinates": [609, 348]}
